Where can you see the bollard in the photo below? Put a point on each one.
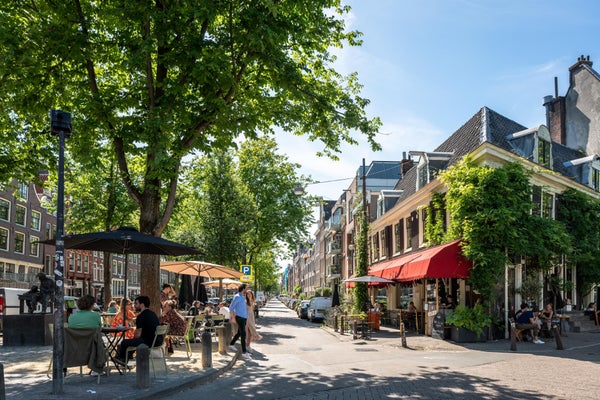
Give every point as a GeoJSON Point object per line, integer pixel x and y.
{"type": "Point", "coordinates": [403, 333]}
{"type": "Point", "coordinates": [559, 345]}
{"type": "Point", "coordinates": [342, 325]}
{"type": "Point", "coordinates": [142, 366]}
{"type": "Point", "coordinates": [513, 337]}
{"type": "Point", "coordinates": [354, 330]}
{"type": "Point", "coordinates": [335, 323]}
{"type": "Point", "coordinates": [223, 343]}
{"type": "Point", "coordinates": [228, 333]}
{"type": "Point", "coordinates": [2, 387]}
{"type": "Point", "coordinates": [206, 350]}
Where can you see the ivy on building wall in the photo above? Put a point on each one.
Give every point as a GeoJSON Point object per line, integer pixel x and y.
{"type": "Point", "coordinates": [490, 208]}
{"type": "Point", "coordinates": [435, 223]}
{"type": "Point", "coordinates": [361, 293]}
{"type": "Point", "coordinates": [580, 215]}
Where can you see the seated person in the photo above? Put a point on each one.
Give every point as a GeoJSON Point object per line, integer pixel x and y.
{"type": "Point", "coordinates": [450, 304]}
{"type": "Point", "coordinates": [590, 310]}
{"type": "Point", "coordinates": [526, 320]}
{"type": "Point", "coordinates": [177, 324]}
{"type": "Point", "coordinates": [146, 323]}
{"type": "Point", "coordinates": [546, 316]}
{"type": "Point", "coordinates": [195, 308]}
{"type": "Point", "coordinates": [224, 310]}
{"type": "Point", "coordinates": [130, 318]}
{"type": "Point", "coordinates": [85, 317]}
{"type": "Point", "coordinates": [411, 307]}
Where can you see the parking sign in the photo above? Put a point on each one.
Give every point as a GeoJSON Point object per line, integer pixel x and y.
{"type": "Point", "coordinates": [247, 271]}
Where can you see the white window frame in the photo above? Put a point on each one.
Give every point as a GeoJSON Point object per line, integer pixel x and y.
{"type": "Point", "coordinates": [8, 206]}
{"type": "Point", "coordinates": [24, 222]}
{"type": "Point", "coordinates": [7, 238]}
{"type": "Point", "coordinates": [36, 216]}
{"type": "Point", "coordinates": [20, 234]}
{"type": "Point", "coordinates": [34, 246]}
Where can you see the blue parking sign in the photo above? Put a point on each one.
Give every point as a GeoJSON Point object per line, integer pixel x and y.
{"type": "Point", "coordinates": [247, 269]}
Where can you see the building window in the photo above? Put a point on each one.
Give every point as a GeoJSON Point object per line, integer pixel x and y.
{"type": "Point", "coordinates": [383, 240]}
{"type": "Point", "coordinates": [21, 215]}
{"type": "Point", "coordinates": [86, 264]}
{"type": "Point", "coordinates": [48, 263]}
{"type": "Point", "coordinates": [547, 205]}
{"type": "Point", "coordinates": [543, 152]}
{"type": "Point", "coordinates": [399, 236]}
{"type": "Point", "coordinates": [4, 210]}
{"type": "Point", "coordinates": [48, 230]}
{"type": "Point", "coordinates": [34, 246]}
{"type": "Point", "coordinates": [595, 180]}
{"type": "Point", "coordinates": [23, 191]}
{"type": "Point", "coordinates": [408, 225]}
{"type": "Point", "coordinates": [3, 239]}
{"type": "Point", "coordinates": [78, 262]}
{"type": "Point", "coordinates": [19, 243]}
{"type": "Point", "coordinates": [71, 262]}
{"type": "Point", "coordinates": [36, 220]}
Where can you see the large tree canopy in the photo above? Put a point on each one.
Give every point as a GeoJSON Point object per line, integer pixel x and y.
{"type": "Point", "coordinates": [156, 80]}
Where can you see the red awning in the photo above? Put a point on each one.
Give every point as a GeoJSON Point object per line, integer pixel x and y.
{"type": "Point", "coordinates": [444, 261]}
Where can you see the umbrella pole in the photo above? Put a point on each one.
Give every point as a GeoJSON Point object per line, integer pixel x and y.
{"type": "Point", "coordinates": [125, 295]}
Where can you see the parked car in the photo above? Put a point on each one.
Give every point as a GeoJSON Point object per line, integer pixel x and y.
{"type": "Point", "coordinates": [317, 307]}
{"type": "Point", "coordinates": [303, 309]}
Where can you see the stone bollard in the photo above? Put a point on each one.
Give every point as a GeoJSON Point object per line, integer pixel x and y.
{"type": "Point", "coordinates": [206, 350]}
{"type": "Point", "coordinates": [228, 332]}
{"type": "Point", "coordinates": [142, 367]}
{"type": "Point", "coordinates": [403, 334]}
{"type": "Point", "coordinates": [2, 387]}
{"type": "Point", "coordinates": [335, 323]}
{"type": "Point", "coordinates": [223, 343]}
{"type": "Point", "coordinates": [559, 345]}
{"type": "Point", "coordinates": [513, 337]}
{"type": "Point", "coordinates": [342, 325]}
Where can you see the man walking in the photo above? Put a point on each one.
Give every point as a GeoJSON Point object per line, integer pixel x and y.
{"type": "Point", "coordinates": [238, 313]}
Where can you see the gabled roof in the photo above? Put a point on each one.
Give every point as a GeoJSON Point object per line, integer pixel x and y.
{"type": "Point", "coordinates": [487, 126]}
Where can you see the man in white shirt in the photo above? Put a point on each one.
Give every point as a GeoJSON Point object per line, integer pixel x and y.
{"type": "Point", "coordinates": [224, 310]}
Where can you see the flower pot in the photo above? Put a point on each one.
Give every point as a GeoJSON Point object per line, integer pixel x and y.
{"type": "Point", "coordinates": [463, 335]}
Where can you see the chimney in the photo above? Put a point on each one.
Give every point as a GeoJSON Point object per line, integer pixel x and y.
{"type": "Point", "coordinates": [556, 115]}
{"type": "Point", "coordinates": [406, 163]}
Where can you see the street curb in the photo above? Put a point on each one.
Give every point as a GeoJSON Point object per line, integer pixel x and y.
{"type": "Point", "coordinates": [185, 384]}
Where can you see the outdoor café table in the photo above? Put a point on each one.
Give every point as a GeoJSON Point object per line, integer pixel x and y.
{"type": "Point", "coordinates": [113, 336]}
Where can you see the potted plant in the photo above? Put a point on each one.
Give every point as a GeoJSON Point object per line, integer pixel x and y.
{"type": "Point", "coordinates": [469, 324]}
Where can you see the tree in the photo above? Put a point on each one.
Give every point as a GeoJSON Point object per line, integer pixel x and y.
{"type": "Point", "coordinates": [158, 80]}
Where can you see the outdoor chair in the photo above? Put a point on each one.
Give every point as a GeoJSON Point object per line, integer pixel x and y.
{"type": "Point", "coordinates": [161, 330]}
{"type": "Point", "coordinates": [189, 329]}
{"type": "Point", "coordinates": [83, 347]}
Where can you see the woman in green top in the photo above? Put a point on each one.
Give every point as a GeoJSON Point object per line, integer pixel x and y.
{"type": "Point", "coordinates": [85, 317]}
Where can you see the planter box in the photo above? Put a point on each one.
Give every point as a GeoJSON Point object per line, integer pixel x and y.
{"type": "Point", "coordinates": [462, 335]}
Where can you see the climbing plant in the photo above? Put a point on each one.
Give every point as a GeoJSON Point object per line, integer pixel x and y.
{"type": "Point", "coordinates": [435, 222]}
{"type": "Point", "coordinates": [490, 208]}
{"type": "Point", "coordinates": [361, 294]}
{"type": "Point", "coordinates": [579, 212]}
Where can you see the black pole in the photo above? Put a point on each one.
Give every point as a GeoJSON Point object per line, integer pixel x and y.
{"type": "Point", "coordinates": [60, 123]}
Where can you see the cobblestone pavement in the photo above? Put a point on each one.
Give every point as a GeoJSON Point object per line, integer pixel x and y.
{"type": "Point", "coordinates": [298, 360]}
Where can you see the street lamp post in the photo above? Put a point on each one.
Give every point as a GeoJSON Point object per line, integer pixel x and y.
{"type": "Point", "coordinates": [60, 123]}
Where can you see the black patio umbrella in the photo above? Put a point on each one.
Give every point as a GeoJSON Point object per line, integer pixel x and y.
{"type": "Point", "coordinates": [335, 298]}
{"type": "Point", "coordinates": [200, 292]}
{"type": "Point", "coordinates": [124, 240]}
{"type": "Point", "coordinates": [186, 293]}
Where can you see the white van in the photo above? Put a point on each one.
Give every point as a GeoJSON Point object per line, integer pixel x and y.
{"type": "Point", "coordinates": [9, 302]}
{"type": "Point", "coordinates": [317, 308]}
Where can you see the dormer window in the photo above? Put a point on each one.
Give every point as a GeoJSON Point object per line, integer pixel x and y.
{"type": "Point", "coordinates": [595, 179]}
{"type": "Point", "coordinates": [586, 170]}
{"type": "Point", "coordinates": [429, 166]}
{"type": "Point", "coordinates": [543, 152]}
{"type": "Point", "coordinates": [534, 144]}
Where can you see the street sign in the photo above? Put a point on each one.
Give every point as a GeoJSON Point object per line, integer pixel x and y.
{"type": "Point", "coordinates": [247, 271]}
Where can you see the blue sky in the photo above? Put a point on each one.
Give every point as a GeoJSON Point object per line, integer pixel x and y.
{"type": "Point", "coordinates": [429, 65]}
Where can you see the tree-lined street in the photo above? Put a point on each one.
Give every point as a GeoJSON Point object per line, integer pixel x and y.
{"type": "Point", "coordinates": [299, 360]}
